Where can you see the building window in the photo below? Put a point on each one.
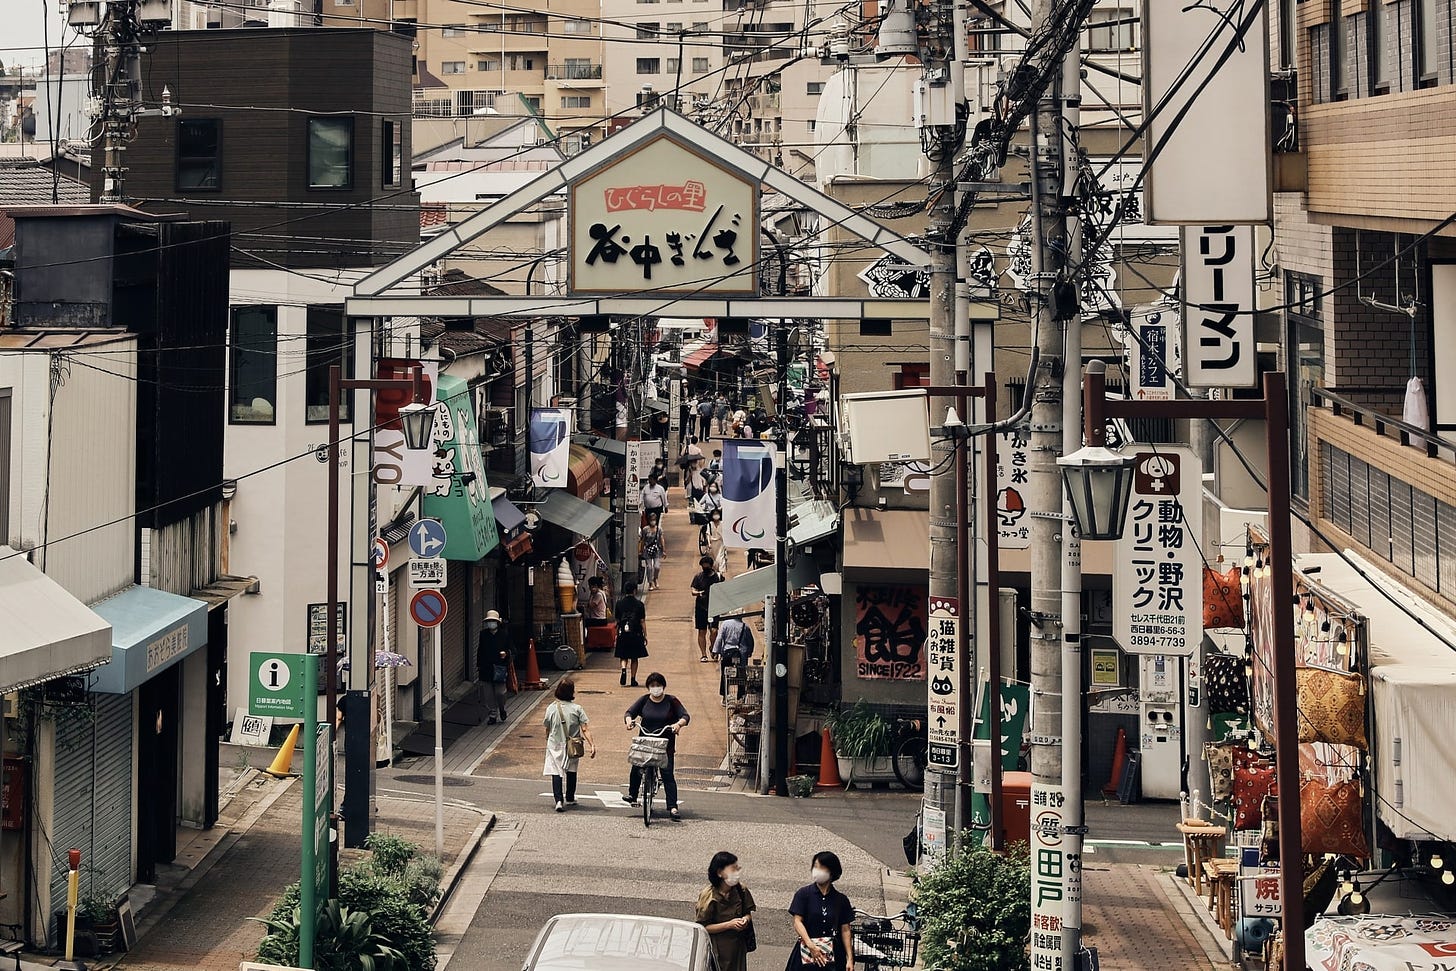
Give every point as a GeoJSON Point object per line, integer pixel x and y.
{"type": "Point", "coordinates": [452, 67]}
{"type": "Point", "coordinates": [519, 62]}
{"type": "Point", "coordinates": [199, 151]}
{"type": "Point", "coordinates": [454, 30]}
{"type": "Point", "coordinates": [1287, 23]}
{"type": "Point", "coordinates": [1111, 31]}
{"type": "Point", "coordinates": [816, 87]}
{"type": "Point", "coordinates": [533, 102]}
{"type": "Point", "coordinates": [649, 30]}
{"type": "Point", "coordinates": [1427, 38]}
{"type": "Point", "coordinates": [576, 101]}
{"type": "Point", "coordinates": [674, 28]}
{"type": "Point", "coordinates": [487, 65]}
{"type": "Point", "coordinates": [327, 341]}
{"type": "Point", "coordinates": [253, 380]}
{"type": "Point", "coordinates": [577, 27]}
{"type": "Point", "coordinates": [700, 65]}
{"type": "Point", "coordinates": [1375, 36]}
{"type": "Point", "coordinates": [1306, 357]}
{"type": "Point", "coordinates": [649, 65]}
{"type": "Point", "coordinates": [672, 65]}
{"type": "Point", "coordinates": [391, 153]}
{"type": "Point", "coordinates": [1338, 90]}
{"type": "Point", "coordinates": [330, 153]}
{"type": "Point", "coordinates": [912, 376]}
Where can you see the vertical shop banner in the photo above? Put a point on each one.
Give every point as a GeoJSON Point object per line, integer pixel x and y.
{"type": "Point", "coordinates": [1219, 305]}
{"type": "Point", "coordinates": [459, 496]}
{"type": "Point", "coordinates": [394, 464]}
{"type": "Point", "coordinates": [1013, 529]}
{"type": "Point", "coordinates": [942, 687]}
{"type": "Point", "coordinates": [1261, 627]}
{"type": "Point", "coordinates": [1157, 585]}
{"type": "Point", "coordinates": [889, 632]}
{"type": "Point", "coordinates": [1153, 354]}
{"type": "Point", "coordinates": [1056, 877]}
{"type": "Point", "coordinates": [1015, 716]}
{"type": "Point", "coordinates": [633, 488]}
{"type": "Point", "coordinates": [748, 496]}
{"type": "Point", "coordinates": [549, 439]}
{"type": "Point", "coordinates": [674, 404]}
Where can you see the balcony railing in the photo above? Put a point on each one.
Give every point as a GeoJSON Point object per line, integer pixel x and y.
{"type": "Point", "coordinates": [573, 72]}
{"type": "Point", "coordinates": [1365, 416]}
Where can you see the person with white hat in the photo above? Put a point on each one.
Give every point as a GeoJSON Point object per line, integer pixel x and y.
{"type": "Point", "coordinates": [493, 662]}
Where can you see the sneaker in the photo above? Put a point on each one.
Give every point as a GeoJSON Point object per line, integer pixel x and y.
{"type": "Point", "coordinates": [635, 684]}
{"type": "Point", "coordinates": [632, 801]}
{"type": "Point", "coordinates": [503, 716]}
{"type": "Point", "coordinates": [624, 677]}
{"type": "Point", "coordinates": [571, 802]}
{"type": "Point", "coordinates": [560, 808]}
{"type": "Point", "coordinates": [490, 720]}
{"type": "Point", "coordinates": [674, 815]}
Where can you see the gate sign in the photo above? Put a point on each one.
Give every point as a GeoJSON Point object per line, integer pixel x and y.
{"type": "Point", "coordinates": [1218, 291]}
{"type": "Point", "coordinates": [664, 219]}
{"type": "Point", "coordinates": [942, 685]}
{"type": "Point", "coordinates": [1157, 585]}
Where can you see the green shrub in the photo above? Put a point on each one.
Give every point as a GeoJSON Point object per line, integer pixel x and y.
{"type": "Point", "coordinates": [344, 940]}
{"type": "Point", "coordinates": [975, 909]}
{"type": "Point", "coordinates": [390, 854]}
{"type": "Point", "coordinates": [422, 877]}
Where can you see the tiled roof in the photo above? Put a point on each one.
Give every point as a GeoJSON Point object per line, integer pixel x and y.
{"type": "Point", "coordinates": [25, 182]}
{"type": "Point", "coordinates": [433, 214]}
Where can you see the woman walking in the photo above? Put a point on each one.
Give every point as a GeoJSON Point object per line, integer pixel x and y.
{"type": "Point", "coordinates": [567, 740]}
{"type": "Point", "coordinates": [822, 920]}
{"type": "Point", "coordinates": [595, 614]}
{"type": "Point", "coordinates": [650, 551]}
{"type": "Point", "coordinates": [657, 710]}
{"type": "Point", "coordinates": [631, 617]}
{"type": "Point", "coordinates": [710, 542]}
{"type": "Point", "coordinates": [725, 908]}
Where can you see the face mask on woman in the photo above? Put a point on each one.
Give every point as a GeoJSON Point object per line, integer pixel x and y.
{"type": "Point", "coordinates": [732, 877]}
{"type": "Point", "coordinates": [820, 875]}
{"type": "Point", "coordinates": [657, 691]}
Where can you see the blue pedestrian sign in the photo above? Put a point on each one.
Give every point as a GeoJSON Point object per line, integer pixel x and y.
{"type": "Point", "coordinates": [427, 538]}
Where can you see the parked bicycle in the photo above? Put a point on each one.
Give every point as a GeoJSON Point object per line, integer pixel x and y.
{"type": "Point", "coordinates": [909, 754]}
{"type": "Point", "coordinates": [649, 754]}
{"type": "Point", "coordinates": [890, 941]}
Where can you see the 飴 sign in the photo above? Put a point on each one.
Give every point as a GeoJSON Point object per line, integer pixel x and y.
{"type": "Point", "coordinates": [1218, 290]}
{"type": "Point", "coordinates": [664, 219]}
{"type": "Point", "coordinates": [1157, 585]}
{"type": "Point", "coordinates": [942, 687]}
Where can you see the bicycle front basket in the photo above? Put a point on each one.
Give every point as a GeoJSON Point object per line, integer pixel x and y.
{"type": "Point", "coordinates": [648, 750]}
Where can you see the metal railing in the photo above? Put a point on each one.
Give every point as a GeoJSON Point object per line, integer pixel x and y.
{"type": "Point", "coordinates": [1411, 436]}
{"type": "Point", "coordinates": [573, 72]}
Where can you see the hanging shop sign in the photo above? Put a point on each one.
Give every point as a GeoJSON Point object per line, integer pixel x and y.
{"type": "Point", "coordinates": [1157, 583]}
{"type": "Point", "coordinates": [749, 496]}
{"type": "Point", "coordinates": [1012, 525]}
{"type": "Point", "coordinates": [460, 496]}
{"type": "Point", "coordinates": [942, 687]}
{"type": "Point", "coordinates": [1218, 293]}
{"type": "Point", "coordinates": [889, 632]}
{"type": "Point", "coordinates": [1152, 354]}
{"type": "Point", "coordinates": [664, 219]}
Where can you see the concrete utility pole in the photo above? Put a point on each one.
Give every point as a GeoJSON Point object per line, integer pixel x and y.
{"type": "Point", "coordinates": [1055, 620]}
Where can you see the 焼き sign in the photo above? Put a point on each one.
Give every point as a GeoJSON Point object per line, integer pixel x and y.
{"type": "Point", "coordinates": [664, 219]}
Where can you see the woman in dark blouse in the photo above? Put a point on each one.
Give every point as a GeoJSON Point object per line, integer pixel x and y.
{"type": "Point", "coordinates": [658, 710]}
{"type": "Point", "coordinates": [822, 919]}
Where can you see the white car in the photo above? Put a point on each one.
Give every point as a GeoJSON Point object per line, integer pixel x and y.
{"type": "Point", "coordinates": [620, 942]}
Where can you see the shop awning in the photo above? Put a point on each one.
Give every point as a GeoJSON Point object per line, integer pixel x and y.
{"type": "Point", "coordinates": [508, 516]}
{"type": "Point", "coordinates": [151, 630]}
{"type": "Point", "coordinates": [886, 541]}
{"type": "Point", "coordinates": [573, 515]}
{"type": "Point", "coordinates": [1413, 692]}
{"type": "Point", "coordinates": [609, 448]}
{"type": "Point", "coordinates": [696, 359]}
{"type": "Point", "coordinates": [655, 404]}
{"type": "Point", "coordinates": [811, 521]}
{"type": "Point", "coordinates": [584, 478]}
{"type": "Point", "coordinates": [48, 632]}
{"type": "Point", "coordinates": [736, 593]}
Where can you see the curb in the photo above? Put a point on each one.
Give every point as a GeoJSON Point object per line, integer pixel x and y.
{"type": "Point", "coordinates": [1216, 948]}
{"type": "Point", "coordinates": [467, 853]}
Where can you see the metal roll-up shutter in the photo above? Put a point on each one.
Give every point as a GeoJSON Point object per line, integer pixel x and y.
{"type": "Point", "coordinates": [92, 810]}
{"type": "Point", "coordinates": [452, 632]}
{"type": "Point", "coordinates": [391, 615]}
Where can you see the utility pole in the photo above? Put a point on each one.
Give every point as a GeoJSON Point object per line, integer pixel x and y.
{"type": "Point", "coordinates": [1055, 619]}
{"type": "Point", "coordinates": [780, 656]}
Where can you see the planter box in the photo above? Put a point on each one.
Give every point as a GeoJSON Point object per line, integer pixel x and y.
{"type": "Point", "coordinates": [867, 770]}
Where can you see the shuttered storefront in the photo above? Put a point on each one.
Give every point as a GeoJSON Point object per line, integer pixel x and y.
{"type": "Point", "coordinates": [452, 632]}
{"type": "Point", "coordinates": [92, 809]}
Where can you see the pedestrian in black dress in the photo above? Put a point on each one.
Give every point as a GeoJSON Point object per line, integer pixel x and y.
{"type": "Point", "coordinates": [822, 920]}
{"type": "Point", "coordinates": [631, 616]}
{"type": "Point", "coordinates": [706, 576]}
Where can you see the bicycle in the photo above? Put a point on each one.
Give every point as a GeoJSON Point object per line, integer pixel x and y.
{"type": "Point", "coordinates": [890, 941]}
{"type": "Point", "coordinates": [649, 754]}
{"type": "Point", "coordinates": [909, 755]}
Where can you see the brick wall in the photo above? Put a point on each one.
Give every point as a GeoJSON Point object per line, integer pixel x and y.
{"type": "Point", "coordinates": [1372, 347]}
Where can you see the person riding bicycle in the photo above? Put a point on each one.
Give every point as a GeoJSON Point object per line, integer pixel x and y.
{"type": "Point", "coordinates": [655, 711]}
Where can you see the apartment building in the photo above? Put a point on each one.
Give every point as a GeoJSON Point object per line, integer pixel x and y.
{"type": "Point", "coordinates": [474, 60]}
{"type": "Point", "coordinates": [670, 49]}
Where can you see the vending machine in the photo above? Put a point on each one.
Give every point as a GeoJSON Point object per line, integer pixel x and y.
{"type": "Point", "coordinates": [1161, 725]}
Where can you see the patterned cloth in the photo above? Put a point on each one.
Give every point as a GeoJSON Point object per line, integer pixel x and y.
{"type": "Point", "coordinates": [1379, 943]}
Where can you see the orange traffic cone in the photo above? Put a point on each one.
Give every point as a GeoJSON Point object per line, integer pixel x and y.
{"type": "Point", "coordinates": [828, 764]}
{"type": "Point", "coordinates": [1119, 762]}
{"type": "Point", "coordinates": [533, 669]}
{"type": "Point", "coordinates": [283, 761]}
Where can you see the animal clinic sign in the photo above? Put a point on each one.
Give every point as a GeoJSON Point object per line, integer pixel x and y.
{"type": "Point", "coordinates": [663, 219]}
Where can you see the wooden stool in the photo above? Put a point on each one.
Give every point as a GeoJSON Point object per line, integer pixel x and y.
{"type": "Point", "coordinates": [1223, 880]}
{"type": "Point", "coordinates": [1201, 842]}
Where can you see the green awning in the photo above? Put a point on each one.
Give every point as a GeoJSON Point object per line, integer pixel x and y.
{"type": "Point", "coordinates": [461, 501]}
{"type": "Point", "coordinates": [573, 515]}
{"type": "Point", "coordinates": [731, 596]}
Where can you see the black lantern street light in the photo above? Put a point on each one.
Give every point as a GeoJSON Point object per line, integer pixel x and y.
{"type": "Point", "coordinates": [1099, 484]}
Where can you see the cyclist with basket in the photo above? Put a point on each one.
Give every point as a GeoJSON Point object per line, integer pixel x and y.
{"type": "Point", "coordinates": [661, 715]}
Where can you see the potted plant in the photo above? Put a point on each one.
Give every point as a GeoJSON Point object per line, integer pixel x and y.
{"type": "Point", "coordinates": [98, 914]}
{"type": "Point", "coordinates": [862, 740]}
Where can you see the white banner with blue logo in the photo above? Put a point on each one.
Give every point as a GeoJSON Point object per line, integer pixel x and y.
{"type": "Point", "coordinates": [748, 496]}
{"type": "Point", "coordinates": [549, 438]}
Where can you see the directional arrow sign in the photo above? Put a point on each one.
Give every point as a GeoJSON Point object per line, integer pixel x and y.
{"type": "Point", "coordinates": [427, 537]}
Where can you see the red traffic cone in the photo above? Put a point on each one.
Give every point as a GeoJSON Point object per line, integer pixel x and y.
{"type": "Point", "coordinates": [828, 764]}
{"type": "Point", "coordinates": [533, 669]}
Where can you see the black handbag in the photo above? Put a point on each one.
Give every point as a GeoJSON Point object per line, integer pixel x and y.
{"type": "Point", "coordinates": [750, 938]}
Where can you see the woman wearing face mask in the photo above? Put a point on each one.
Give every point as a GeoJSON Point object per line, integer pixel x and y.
{"type": "Point", "coordinates": [822, 919]}
{"type": "Point", "coordinates": [655, 711]}
{"type": "Point", "coordinates": [493, 663]}
{"type": "Point", "coordinates": [725, 908]}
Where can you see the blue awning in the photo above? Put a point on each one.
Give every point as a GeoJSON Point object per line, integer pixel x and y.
{"type": "Point", "coordinates": [151, 630]}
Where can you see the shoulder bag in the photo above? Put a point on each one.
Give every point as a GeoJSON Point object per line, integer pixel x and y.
{"type": "Point", "coordinates": [575, 744]}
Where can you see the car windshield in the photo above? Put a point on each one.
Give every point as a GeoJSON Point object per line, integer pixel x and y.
{"type": "Point", "coordinates": [616, 944]}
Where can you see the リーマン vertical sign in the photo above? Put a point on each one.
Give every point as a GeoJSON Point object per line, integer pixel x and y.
{"type": "Point", "coordinates": [1206, 101]}
{"type": "Point", "coordinates": [1218, 294]}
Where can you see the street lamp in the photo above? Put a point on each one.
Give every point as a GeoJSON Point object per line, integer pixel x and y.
{"type": "Point", "coordinates": [1098, 480]}
{"type": "Point", "coordinates": [418, 421]}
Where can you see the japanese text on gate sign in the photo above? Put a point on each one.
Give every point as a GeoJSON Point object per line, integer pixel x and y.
{"type": "Point", "coordinates": [1158, 588]}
